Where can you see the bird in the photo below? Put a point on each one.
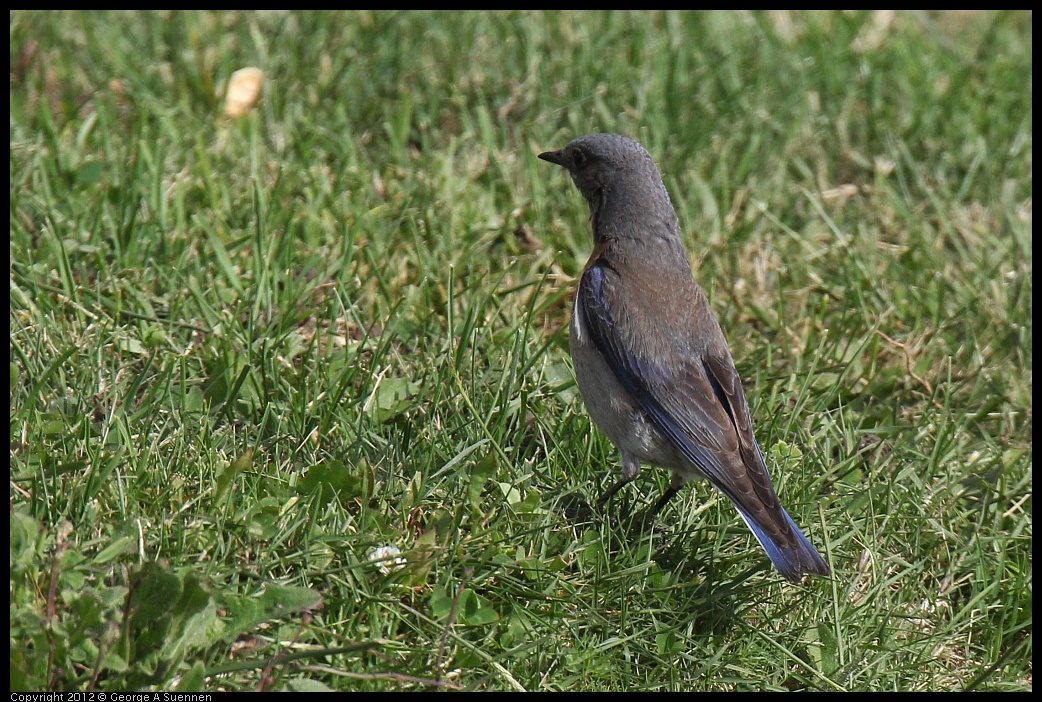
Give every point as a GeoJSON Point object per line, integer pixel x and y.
{"type": "Point", "coordinates": [650, 358]}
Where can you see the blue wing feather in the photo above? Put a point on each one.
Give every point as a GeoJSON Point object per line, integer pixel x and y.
{"type": "Point", "coordinates": [637, 376]}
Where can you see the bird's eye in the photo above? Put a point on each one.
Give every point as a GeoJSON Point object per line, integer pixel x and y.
{"type": "Point", "coordinates": [579, 159]}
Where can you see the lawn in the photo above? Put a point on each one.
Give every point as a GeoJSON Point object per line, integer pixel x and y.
{"type": "Point", "coordinates": [253, 355]}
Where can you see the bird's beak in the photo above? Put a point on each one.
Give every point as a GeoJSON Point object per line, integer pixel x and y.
{"type": "Point", "coordinates": [553, 157]}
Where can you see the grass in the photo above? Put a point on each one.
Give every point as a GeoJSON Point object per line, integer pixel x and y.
{"type": "Point", "coordinates": [246, 353]}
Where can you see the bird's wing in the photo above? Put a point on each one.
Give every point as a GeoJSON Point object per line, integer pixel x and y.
{"type": "Point", "coordinates": [697, 401]}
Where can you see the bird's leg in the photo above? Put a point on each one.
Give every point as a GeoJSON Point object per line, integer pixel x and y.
{"type": "Point", "coordinates": [666, 497]}
{"type": "Point", "coordinates": [630, 470]}
{"type": "Point", "coordinates": [675, 483]}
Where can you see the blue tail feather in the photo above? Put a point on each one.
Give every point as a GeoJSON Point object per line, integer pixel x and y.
{"type": "Point", "coordinates": [792, 561]}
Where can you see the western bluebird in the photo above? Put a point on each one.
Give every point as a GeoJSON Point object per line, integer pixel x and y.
{"type": "Point", "coordinates": [651, 361]}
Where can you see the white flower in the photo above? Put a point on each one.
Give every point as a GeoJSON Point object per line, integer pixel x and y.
{"type": "Point", "coordinates": [387, 558]}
